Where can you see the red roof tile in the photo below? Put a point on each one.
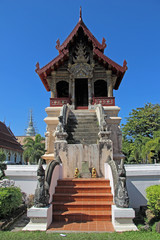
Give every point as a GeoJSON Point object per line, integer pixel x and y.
{"type": "Point", "coordinates": [48, 66]}
{"type": "Point", "coordinates": [109, 61]}
{"type": "Point", "coordinates": [51, 63]}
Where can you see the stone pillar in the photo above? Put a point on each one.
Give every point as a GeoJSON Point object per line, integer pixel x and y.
{"type": "Point", "coordinates": [70, 88]}
{"type": "Point", "coordinates": [89, 93]}
{"type": "Point", "coordinates": [54, 90]}
{"type": "Point", "coordinates": [47, 136]}
{"type": "Point", "coordinates": [50, 81]}
{"type": "Point", "coordinates": [73, 93]}
{"type": "Point", "coordinates": [109, 83]}
{"type": "Point", "coordinates": [52, 121]}
{"type": "Point", "coordinates": [116, 137]}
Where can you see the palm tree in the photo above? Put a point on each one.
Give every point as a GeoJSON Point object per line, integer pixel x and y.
{"type": "Point", "coordinates": [152, 147]}
{"type": "Point", "coordinates": [33, 149]}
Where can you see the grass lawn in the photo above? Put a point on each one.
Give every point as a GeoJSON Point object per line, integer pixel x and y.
{"type": "Point", "coordinates": [5, 235]}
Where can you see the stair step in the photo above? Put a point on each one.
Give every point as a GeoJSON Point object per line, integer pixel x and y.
{"type": "Point", "coordinates": [66, 197]}
{"type": "Point", "coordinates": [82, 189]}
{"type": "Point", "coordinates": [82, 119]}
{"type": "Point", "coordinates": [78, 205]}
{"type": "Point", "coordinates": [83, 182]}
{"type": "Point", "coordinates": [82, 215]}
{"type": "Point", "coordinates": [82, 127]}
{"type": "Point", "coordinates": [82, 200]}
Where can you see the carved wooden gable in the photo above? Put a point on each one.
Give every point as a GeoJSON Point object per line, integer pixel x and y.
{"type": "Point", "coordinates": [81, 61]}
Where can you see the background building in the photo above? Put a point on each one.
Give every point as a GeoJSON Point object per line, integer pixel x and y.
{"type": "Point", "coordinates": [11, 147]}
{"type": "Point", "coordinates": [30, 131]}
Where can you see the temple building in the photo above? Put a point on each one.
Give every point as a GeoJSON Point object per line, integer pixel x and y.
{"type": "Point", "coordinates": [85, 173]}
{"type": "Point", "coordinates": [82, 77]}
{"type": "Point", "coordinates": [9, 144]}
{"type": "Point", "coordinates": [81, 74]}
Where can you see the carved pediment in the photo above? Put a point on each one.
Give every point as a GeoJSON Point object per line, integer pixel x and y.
{"type": "Point", "coordinates": [80, 54]}
{"type": "Point", "coordinates": [81, 68]}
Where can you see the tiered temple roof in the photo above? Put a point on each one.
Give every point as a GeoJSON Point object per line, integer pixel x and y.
{"type": "Point", "coordinates": [98, 53]}
{"type": "Point", "coordinates": [8, 140]}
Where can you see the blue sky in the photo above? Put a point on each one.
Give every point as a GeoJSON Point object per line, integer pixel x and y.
{"type": "Point", "coordinates": [29, 30]}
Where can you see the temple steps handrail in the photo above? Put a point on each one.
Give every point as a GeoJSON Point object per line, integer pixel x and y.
{"type": "Point", "coordinates": [64, 113]}
{"type": "Point", "coordinates": [52, 175]}
{"type": "Point", "coordinates": [63, 118]}
{"type": "Point", "coordinates": [101, 117]}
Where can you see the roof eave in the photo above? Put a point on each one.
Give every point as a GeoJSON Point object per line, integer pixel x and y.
{"type": "Point", "coordinates": [95, 42]}
{"type": "Point", "coordinates": [42, 72]}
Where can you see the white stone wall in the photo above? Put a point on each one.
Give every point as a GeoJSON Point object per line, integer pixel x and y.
{"type": "Point", "coordinates": [139, 177]}
{"type": "Point", "coordinates": [25, 177]}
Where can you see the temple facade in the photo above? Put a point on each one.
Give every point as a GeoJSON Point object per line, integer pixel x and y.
{"type": "Point", "coordinates": [85, 177]}
{"type": "Point", "coordinates": [82, 114]}
{"type": "Point", "coordinates": [81, 74]}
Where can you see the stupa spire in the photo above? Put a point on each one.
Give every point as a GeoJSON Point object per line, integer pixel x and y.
{"type": "Point", "coordinates": [31, 130]}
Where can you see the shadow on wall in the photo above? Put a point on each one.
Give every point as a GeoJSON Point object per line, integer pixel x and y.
{"type": "Point", "coordinates": [136, 198]}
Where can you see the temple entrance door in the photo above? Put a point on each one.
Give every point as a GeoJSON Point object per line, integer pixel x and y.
{"type": "Point", "coordinates": [81, 93]}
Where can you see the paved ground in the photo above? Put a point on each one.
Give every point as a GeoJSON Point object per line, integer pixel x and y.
{"type": "Point", "coordinates": [19, 224]}
{"type": "Point", "coordinates": [92, 226]}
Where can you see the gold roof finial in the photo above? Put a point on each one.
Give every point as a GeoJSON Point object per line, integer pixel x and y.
{"type": "Point", "coordinates": [80, 14]}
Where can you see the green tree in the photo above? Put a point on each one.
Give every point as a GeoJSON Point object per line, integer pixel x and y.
{"type": "Point", "coordinates": [33, 149]}
{"type": "Point", "coordinates": [2, 156]}
{"type": "Point", "coordinates": [152, 148]}
{"type": "Point", "coordinates": [141, 134]}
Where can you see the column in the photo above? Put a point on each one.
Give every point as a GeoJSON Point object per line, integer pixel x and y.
{"type": "Point", "coordinates": [53, 90]}
{"type": "Point", "coordinates": [70, 88]}
{"type": "Point", "coordinates": [109, 83]}
{"type": "Point", "coordinates": [89, 93]}
{"type": "Point", "coordinates": [51, 85]}
{"type": "Point", "coordinates": [73, 93]}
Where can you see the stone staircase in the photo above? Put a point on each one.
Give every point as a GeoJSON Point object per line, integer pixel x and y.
{"type": "Point", "coordinates": [82, 127]}
{"type": "Point", "coordinates": [82, 200]}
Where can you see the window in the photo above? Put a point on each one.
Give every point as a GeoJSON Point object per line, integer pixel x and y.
{"type": "Point", "coordinates": [100, 88]}
{"type": "Point", "coordinates": [62, 89]}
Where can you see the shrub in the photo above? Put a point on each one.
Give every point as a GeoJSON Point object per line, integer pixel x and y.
{"type": "Point", "coordinates": [10, 199]}
{"type": "Point", "coordinates": [153, 196]}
